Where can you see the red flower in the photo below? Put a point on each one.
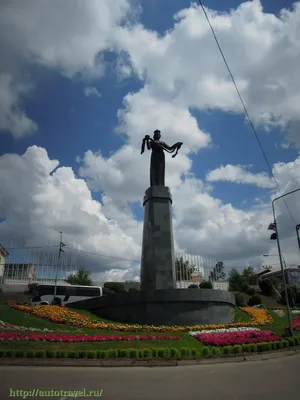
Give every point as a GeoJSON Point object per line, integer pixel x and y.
{"type": "Point", "coordinates": [231, 338]}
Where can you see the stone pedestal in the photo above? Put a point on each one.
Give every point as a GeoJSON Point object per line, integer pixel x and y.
{"type": "Point", "coordinates": [158, 262]}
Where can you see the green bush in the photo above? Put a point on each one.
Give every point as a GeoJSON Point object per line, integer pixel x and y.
{"type": "Point", "coordinates": [239, 300]}
{"type": "Point", "coordinates": [285, 344]}
{"type": "Point", "coordinates": [103, 354]}
{"type": "Point", "coordinates": [291, 341]}
{"type": "Point", "coordinates": [2, 353]}
{"type": "Point", "coordinates": [268, 346]}
{"type": "Point", "coordinates": [10, 353]}
{"type": "Point", "coordinates": [167, 353]}
{"type": "Point", "coordinates": [72, 354]}
{"type": "Point", "coordinates": [245, 287]}
{"type": "Point", "coordinates": [147, 353]}
{"type": "Point", "coordinates": [291, 297]}
{"type": "Point", "coordinates": [19, 353]}
{"type": "Point", "coordinates": [61, 354]}
{"type": "Point", "coordinates": [132, 289]}
{"type": "Point", "coordinates": [194, 353]}
{"type": "Point", "coordinates": [297, 340]}
{"type": "Point", "coordinates": [245, 348]}
{"type": "Point", "coordinates": [254, 300]}
{"type": "Point", "coordinates": [273, 345]}
{"type": "Point", "coordinates": [30, 354]}
{"type": "Point", "coordinates": [251, 292]}
{"type": "Point", "coordinates": [174, 352]}
{"type": "Point", "coordinates": [113, 353]}
{"type": "Point", "coordinates": [40, 354]}
{"type": "Point", "coordinates": [279, 345]}
{"type": "Point", "coordinates": [161, 352]}
{"type": "Point", "coordinates": [253, 348]}
{"type": "Point", "coordinates": [133, 353]}
{"type": "Point", "coordinates": [261, 346]}
{"type": "Point", "coordinates": [193, 286]}
{"type": "Point", "coordinates": [216, 352]}
{"type": "Point", "coordinates": [205, 351]}
{"type": "Point", "coordinates": [236, 349]}
{"type": "Point", "coordinates": [266, 287]}
{"type": "Point", "coordinates": [50, 354]}
{"type": "Point", "coordinates": [226, 350]}
{"type": "Point", "coordinates": [115, 286]}
{"type": "Point", "coordinates": [92, 354]}
{"type": "Point", "coordinates": [206, 285]}
{"type": "Point", "coordinates": [154, 352]}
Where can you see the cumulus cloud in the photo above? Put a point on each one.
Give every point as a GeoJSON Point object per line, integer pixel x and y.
{"type": "Point", "coordinates": [91, 91]}
{"type": "Point", "coordinates": [239, 174]}
{"type": "Point", "coordinates": [69, 37]}
{"type": "Point", "coordinates": [184, 64]}
{"type": "Point", "coordinates": [38, 199]}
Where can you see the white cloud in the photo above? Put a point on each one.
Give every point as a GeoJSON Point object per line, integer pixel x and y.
{"type": "Point", "coordinates": [69, 37]}
{"type": "Point", "coordinates": [91, 91]}
{"type": "Point", "coordinates": [12, 117]}
{"type": "Point", "coordinates": [185, 66]}
{"type": "Point", "coordinates": [38, 199]}
{"type": "Point", "coordinates": [238, 174]}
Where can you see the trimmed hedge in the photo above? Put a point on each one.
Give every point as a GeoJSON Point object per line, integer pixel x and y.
{"type": "Point", "coordinates": [162, 353]}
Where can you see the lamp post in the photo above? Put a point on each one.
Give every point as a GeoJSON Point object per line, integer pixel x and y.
{"type": "Point", "coordinates": [61, 245]}
{"type": "Point", "coordinates": [275, 236]}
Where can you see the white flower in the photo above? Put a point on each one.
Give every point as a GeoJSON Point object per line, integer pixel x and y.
{"type": "Point", "coordinates": [223, 330]}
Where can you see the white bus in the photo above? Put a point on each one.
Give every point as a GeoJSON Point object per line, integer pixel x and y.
{"type": "Point", "coordinates": [65, 294]}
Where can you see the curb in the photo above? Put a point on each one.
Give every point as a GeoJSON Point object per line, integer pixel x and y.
{"type": "Point", "coordinates": [144, 363]}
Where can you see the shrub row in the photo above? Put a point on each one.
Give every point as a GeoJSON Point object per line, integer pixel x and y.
{"type": "Point", "coordinates": [158, 353]}
{"type": "Point", "coordinates": [164, 353]}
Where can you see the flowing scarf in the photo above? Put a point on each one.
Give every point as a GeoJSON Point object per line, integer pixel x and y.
{"type": "Point", "coordinates": [177, 146]}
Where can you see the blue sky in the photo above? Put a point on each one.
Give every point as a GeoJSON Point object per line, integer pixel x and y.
{"type": "Point", "coordinates": [70, 123]}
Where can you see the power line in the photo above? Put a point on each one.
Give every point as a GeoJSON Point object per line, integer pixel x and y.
{"type": "Point", "coordinates": [244, 106]}
{"type": "Point", "coordinates": [102, 255]}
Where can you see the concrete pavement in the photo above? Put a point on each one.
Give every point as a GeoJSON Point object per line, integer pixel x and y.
{"type": "Point", "coordinates": [275, 379]}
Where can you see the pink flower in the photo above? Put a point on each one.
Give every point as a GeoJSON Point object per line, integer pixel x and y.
{"type": "Point", "coordinates": [231, 338]}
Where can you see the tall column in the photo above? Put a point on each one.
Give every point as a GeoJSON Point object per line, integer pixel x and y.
{"type": "Point", "coordinates": [158, 262]}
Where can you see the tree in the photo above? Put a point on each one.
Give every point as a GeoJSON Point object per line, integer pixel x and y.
{"type": "Point", "coordinates": [217, 274]}
{"type": "Point", "coordinates": [193, 286]}
{"type": "Point", "coordinates": [81, 277]}
{"type": "Point", "coordinates": [249, 275]}
{"type": "Point", "coordinates": [254, 300]}
{"type": "Point", "coordinates": [115, 286]}
{"type": "Point", "coordinates": [184, 270]}
{"type": "Point", "coordinates": [266, 287]}
{"type": "Point", "coordinates": [206, 285]}
{"type": "Point", "coordinates": [236, 281]}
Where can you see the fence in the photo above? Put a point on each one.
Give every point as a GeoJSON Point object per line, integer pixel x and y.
{"type": "Point", "coordinates": [40, 263]}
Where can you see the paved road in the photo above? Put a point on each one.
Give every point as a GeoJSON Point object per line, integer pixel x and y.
{"type": "Point", "coordinates": [272, 379]}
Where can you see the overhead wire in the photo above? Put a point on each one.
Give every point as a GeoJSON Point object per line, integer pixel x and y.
{"type": "Point", "coordinates": [244, 106]}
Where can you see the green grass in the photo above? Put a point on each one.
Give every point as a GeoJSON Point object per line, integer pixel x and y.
{"type": "Point", "coordinates": [241, 316]}
{"type": "Point", "coordinates": [16, 317]}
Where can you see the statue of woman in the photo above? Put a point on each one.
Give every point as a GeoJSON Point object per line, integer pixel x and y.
{"type": "Point", "coordinates": [157, 165]}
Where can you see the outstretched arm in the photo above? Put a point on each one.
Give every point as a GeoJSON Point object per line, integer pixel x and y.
{"type": "Point", "coordinates": [169, 147]}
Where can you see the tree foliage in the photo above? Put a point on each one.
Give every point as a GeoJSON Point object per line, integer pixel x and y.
{"type": "Point", "coordinates": [115, 286]}
{"type": "Point", "coordinates": [236, 281]}
{"type": "Point", "coordinates": [254, 300]}
{"type": "Point", "coordinates": [81, 277]}
{"type": "Point", "coordinates": [217, 274]}
{"type": "Point", "coordinates": [206, 285]}
{"type": "Point", "coordinates": [266, 287]}
{"type": "Point", "coordinates": [184, 269]}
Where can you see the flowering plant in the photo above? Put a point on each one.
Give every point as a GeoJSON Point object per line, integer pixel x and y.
{"type": "Point", "coordinates": [228, 330]}
{"type": "Point", "coordinates": [10, 327]}
{"type": "Point", "coordinates": [63, 315]}
{"type": "Point", "coordinates": [231, 338]}
{"type": "Point", "coordinates": [52, 337]}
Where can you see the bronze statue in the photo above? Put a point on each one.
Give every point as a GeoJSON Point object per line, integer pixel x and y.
{"type": "Point", "coordinates": [157, 166]}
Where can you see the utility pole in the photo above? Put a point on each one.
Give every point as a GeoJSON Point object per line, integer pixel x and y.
{"type": "Point", "coordinates": [297, 233]}
{"type": "Point", "coordinates": [275, 236]}
{"type": "Point", "coordinates": [61, 245]}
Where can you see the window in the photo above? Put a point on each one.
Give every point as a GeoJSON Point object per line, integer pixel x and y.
{"type": "Point", "coordinates": [45, 290]}
{"type": "Point", "coordinates": [87, 292]}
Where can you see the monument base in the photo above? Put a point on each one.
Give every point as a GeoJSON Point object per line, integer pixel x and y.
{"type": "Point", "coordinates": [157, 261]}
{"type": "Point", "coordinates": [163, 307]}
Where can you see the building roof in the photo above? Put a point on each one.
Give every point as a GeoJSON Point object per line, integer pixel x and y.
{"type": "Point", "coordinates": [3, 251]}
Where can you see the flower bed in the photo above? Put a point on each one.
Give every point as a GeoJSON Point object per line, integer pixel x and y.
{"type": "Point", "coordinates": [63, 315]}
{"type": "Point", "coordinates": [212, 331]}
{"type": "Point", "coordinates": [8, 336]}
{"type": "Point", "coordinates": [5, 326]}
{"type": "Point", "coordinates": [232, 338]}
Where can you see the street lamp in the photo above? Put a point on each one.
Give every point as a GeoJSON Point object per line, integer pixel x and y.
{"type": "Point", "coordinates": [275, 236]}
{"type": "Point", "coordinates": [297, 233]}
{"type": "Point", "coordinates": [61, 245]}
